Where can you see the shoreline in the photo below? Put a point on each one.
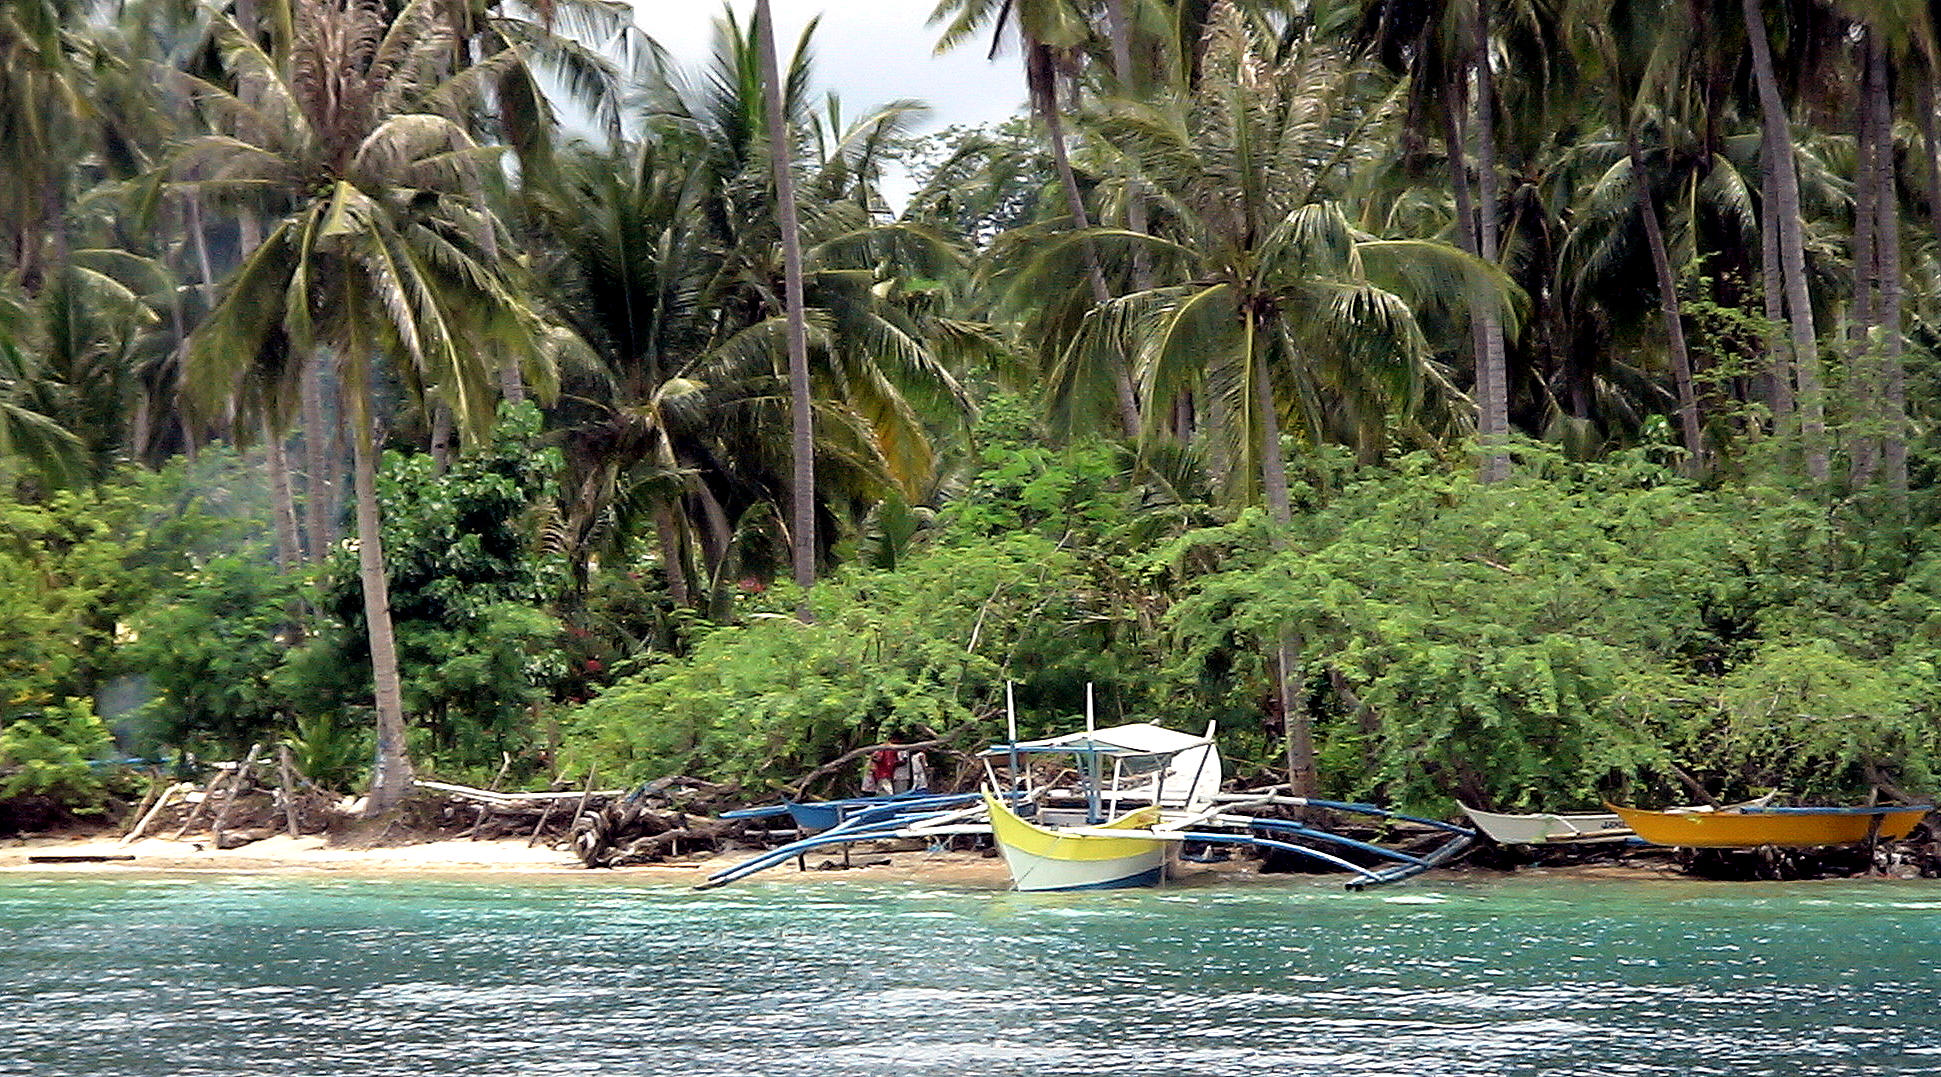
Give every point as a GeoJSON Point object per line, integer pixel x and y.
{"type": "Point", "coordinates": [316, 854]}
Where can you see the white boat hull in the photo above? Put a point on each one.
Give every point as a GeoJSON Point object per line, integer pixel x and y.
{"type": "Point", "coordinates": [1085, 858]}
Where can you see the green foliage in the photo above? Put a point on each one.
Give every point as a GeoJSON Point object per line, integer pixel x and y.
{"type": "Point", "coordinates": [331, 752]}
{"type": "Point", "coordinates": [211, 649]}
{"type": "Point", "coordinates": [470, 582]}
{"type": "Point", "coordinates": [1534, 642]}
{"type": "Point", "coordinates": [920, 650]}
{"type": "Point", "coordinates": [46, 756]}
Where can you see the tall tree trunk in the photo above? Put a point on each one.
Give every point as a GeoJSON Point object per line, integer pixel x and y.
{"type": "Point", "coordinates": [1042, 76]}
{"type": "Point", "coordinates": [1486, 334]}
{"type": "Point", "coordinates": [392, 777]}
{"type": "Point", "coordinates": [1297, 725]}
{"type": "Point", "coordinates": [319, 461]}
{"type": "Point", "coordinates": [1888, 309]}
{"type": "Point", "coordinates": [442, 436]}
{"type": "Point", "coordinates": [289, 552]}
{"type": "Point", "coordinates": [1121, 29]}
{"type": "Point", "coordinates": [1681, 356]}
{"type": "Point", "coordinates": [802, 524]}
{"type": "Point", "coordinates": [1492, 364]}
{"type": "Point", "coordinates": [1778, 376]}
{"type": "Point", "coordinates": [1863, 376]}
{"type": "Point", "coordinates": [673, 562]}
{"type": "Point", "coordinates": [1777, 131]}
{"type": "Point", "coordinates": [282, 502]}
{"type": "Point", "coordinates": [1931, 142]}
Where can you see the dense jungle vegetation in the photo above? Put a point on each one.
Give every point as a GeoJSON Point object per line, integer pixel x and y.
{"type": "Point", "coordinates": [1515, 400]}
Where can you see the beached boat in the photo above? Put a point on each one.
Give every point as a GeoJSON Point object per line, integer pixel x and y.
{"type": "Point", "coordinates": [1118, 853]}
{"type": "Point", "coordinates": [1141, 792]}
{"type": "Point", "coordinates": [1751, 827]}
{"type": "Point", "coordinates": [1548, 828]}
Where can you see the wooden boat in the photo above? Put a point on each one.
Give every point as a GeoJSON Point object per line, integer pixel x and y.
{"type": "Point", "coordinates": [1749, 828]}
{"type": "Point", "coordinates": [1547, 828]}
{"type": "Point", "coordinates": [1142, 791]}
{"type": "Point", "coordinates": [1118, 853]}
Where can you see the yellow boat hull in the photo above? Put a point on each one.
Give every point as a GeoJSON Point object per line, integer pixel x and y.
{"type": "Point", "coordinates": [1046, 858]}
{"type": "Point", "coordinates": [1749, 830]}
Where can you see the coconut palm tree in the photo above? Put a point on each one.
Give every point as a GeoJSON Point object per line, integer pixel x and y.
{"type": "Point", "coordinates": [1053, 36]}
{"type": "Point", "coordinates": [387, 254]}
{"type": "Point", "coordinates": [1271, 305]}
{"type": "Point", "coordinates": [669, 267]}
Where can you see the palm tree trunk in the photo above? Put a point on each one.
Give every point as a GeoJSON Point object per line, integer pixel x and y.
{"type": "Point", "coordinates": [1777, 131]}
{"type": "Point", "coordinates": [320, 473]}
{"type": "Point", "coordinates": [1681, 356]}
{"type": "Point", "coordinates": [1121, 29]}
{"type": "Point", "coordinates": [289, 552]}
{"type": "Point", "coordinates": [1298, 726]}
{"type": "Point", "coordinates": [441, 437]}
{"type": "Point", "coordinates": [282, 501]}
{"type": "Point", "coordinates": [1043, 80]}
{"type": "Point", "coordinates": [1492, 366]}
{"type": "Point", "coordinates": [668, 530]}
{"type": "Point", "coordinates": [392, 777]}
{"type": "Point", "coordinates": [1863, 381]}
{"type": "Point", "coordinates": [1468, 233]}
{"type": "Point", "coordinates": [1778, 376]}
{"type": "Point", "coordinates": [1931, 141]}
{"type": "Point", "coordinates": [802, 536]}
{"type": "Point", "coordinates": [1887, 249]}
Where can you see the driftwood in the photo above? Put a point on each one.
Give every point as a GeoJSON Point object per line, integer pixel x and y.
{"type": "Point", "coordinates": [155, 809]}
{"type": "Point", "coordinates": [505, 764]}
{"type": "Point", "coordinates": [632, 831]}
{"type": "Point", "coordinates": [1698, 790]}
{"type": "Point", "coordinates": [196, 807]}
{"type": "Point", "coordinates": [283, 769]}
{"type": "Point", "coordinates": [229, 798]}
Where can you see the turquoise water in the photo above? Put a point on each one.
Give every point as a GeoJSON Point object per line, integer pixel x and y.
{"type": "Point", "coordinates": [232, 975]}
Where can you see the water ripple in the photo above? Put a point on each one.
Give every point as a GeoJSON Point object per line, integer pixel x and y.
{"type": "Point", "coordinates": [239, 977]}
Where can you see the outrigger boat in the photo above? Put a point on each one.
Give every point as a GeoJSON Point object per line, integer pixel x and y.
{"type": "Point", "coordinates": [1121, 831]}
{"type": "Point", "coordinates": [1580, 828]}
{"type": "Point", "coordinates": [1749, 827]}
{"type": "Point", "coordinates": [1547, 828]}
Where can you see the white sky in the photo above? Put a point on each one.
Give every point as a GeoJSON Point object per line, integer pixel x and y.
{"type": "Point", "coordinates": [870, 52]}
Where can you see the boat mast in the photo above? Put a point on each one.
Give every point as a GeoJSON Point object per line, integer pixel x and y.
{"type": "Point", "coordinates": [1092, 815]}
{"type": "Point", "coordinates": [1011, 723]}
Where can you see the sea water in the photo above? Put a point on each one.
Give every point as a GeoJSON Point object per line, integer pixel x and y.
{"type": "Point", "coordinates": [150, 974]}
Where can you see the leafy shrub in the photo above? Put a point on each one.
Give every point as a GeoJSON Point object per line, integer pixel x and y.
{"type": "Point", "coordinates": [45, 762]}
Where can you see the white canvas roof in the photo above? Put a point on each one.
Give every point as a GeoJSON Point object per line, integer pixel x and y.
{"type": "Point", "coordinates": [1191, 776]}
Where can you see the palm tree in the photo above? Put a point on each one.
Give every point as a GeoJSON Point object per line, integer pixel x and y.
{"type": "Point", "coordinates": [1782, 203]}
{"type": "Point", "coordinates": [1448, 50]}
{"type": "Point", "coordinates": [1052, 35]}
{"type": "Point", "coordinates": [43, 103]}
{"type": "Point", "coordinates": [668, 268]}
{"type": "Point", "coordinates": [801, 416]}
{"type": "Point", "coordinates": [1272, 304]}
{"type": "Point", "coordinates": [385, 254]}
{"type": "Point", "coordinates": [1639, 47]}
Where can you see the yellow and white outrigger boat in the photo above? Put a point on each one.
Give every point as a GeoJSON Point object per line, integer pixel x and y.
{"type": "Point", "coordinates": [1113, 831]}
{"type": "Point", "coordinates": [1142, 792]}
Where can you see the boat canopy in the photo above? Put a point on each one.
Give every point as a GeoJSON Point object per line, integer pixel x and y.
{"type": "Point", "coordinates": [1185, 768]}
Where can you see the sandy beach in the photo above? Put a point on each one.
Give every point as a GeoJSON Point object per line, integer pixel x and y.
{"type": "Point", "coordinates": [317, 853]}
